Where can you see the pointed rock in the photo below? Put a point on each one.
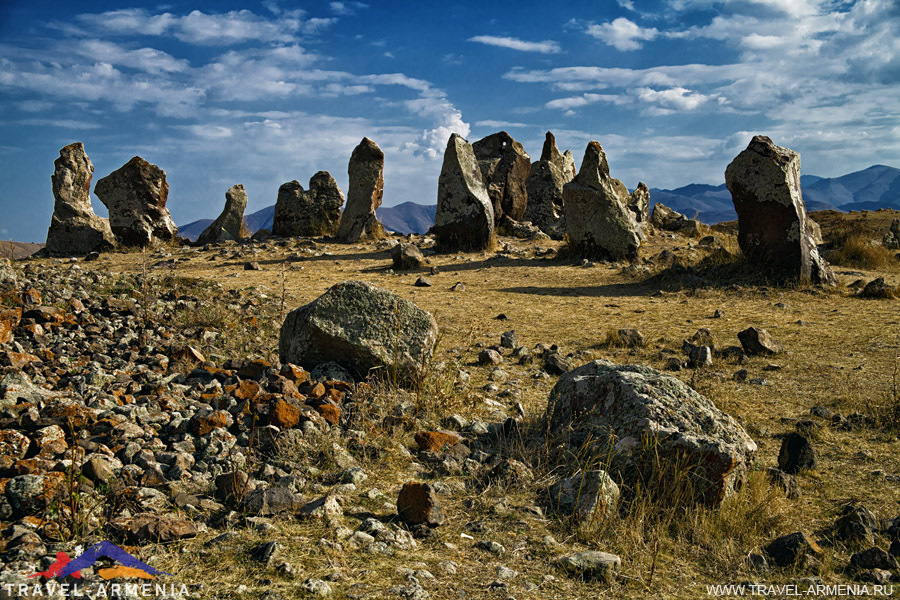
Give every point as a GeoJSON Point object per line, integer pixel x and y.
{"type": "Point", "coordinates": [308, 213]}
{"type": "Point", "coordinates": [74, 228]}
{"type": "Point", "coordinates": [366, 171]}
{"type": "Point", "coordinates": [465, 215]}
{"type": "Point", "coordinates": [504, 166]}
{"type": "Point", "coordinates": [599, 224]}
{"type": "Point", "coordinates": [136, 197]}
{"type": "Point", "coordinates": [545, 184]}
{"type": "Point", "coordinates": [639, 203]}
{"type": "Point", "coordinates": [773, 229]}
{"type": "Point", "coordinates": [229, 225]}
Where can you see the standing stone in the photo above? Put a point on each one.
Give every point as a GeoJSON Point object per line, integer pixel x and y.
{"type": "Point", "coordinates": [773, 232]}
{"type": "Point", "coordinates": [544, 186]}
{"type": "Point", "coordinates": [308, 213]}
{"type": "Point", "coordinates": [598, 221]}
{"type": "Point", "coordinates": [465, 216]}
{"type": "Point", "coordinates": [74, 228]}
{"type": "Point", "coordinates": [229, 225]}
{"type": "Point", "coordinates": [650, 424]}
{"type": "Point", "coordinates": [366, 171]}
{"type": "Point", "coordinates": [136, 196]}
{"type": "Point", "coordinates": [639, 203]}
{"type": "Point", "coordinates": [504, 166]}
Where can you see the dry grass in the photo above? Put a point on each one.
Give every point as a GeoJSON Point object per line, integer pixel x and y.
{"type": "Point", "coordinates": [840, 353]}
{"type": "Point", "coordinates": [862, 252]}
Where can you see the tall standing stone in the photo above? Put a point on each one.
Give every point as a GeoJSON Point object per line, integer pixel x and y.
{"type": "Point", "coordinates": [74, 228]}
{"type": "Point", "coordinates": [773, 229]}
{"type": "Point", "coordinates": [545, 184]}
{"type": "Point", "coordinates": [465, 216]}
{"type": "Point", "coordinates": [639, 203]}
{"type": "Point", "coordinates": [366, 172]}
{"type": "Point", "coordinates": [229, 225]}
{"type": "Point", "coordinates": [308, 213]}
{"type": "Point", "coordinates": [504, 166]}
{"type": "Point", "coordinates": [598, 220]}
{"type": "Point", "coordinates": [136, 196]}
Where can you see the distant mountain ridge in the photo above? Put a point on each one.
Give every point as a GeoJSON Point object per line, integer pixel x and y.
{"type": "Point", "coordinates": [869, 189]}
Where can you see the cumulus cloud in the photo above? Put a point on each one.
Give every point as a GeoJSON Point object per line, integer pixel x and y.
{"type": "Point", "coordinates": [545, 47]}
{"type": "Point", "coordinates": [622, 34]}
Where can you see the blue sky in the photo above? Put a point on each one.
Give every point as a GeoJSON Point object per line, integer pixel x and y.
{"type": "Point", "coordinates": [218, 93]}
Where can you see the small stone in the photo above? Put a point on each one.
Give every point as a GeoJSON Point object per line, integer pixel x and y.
{"type": "Point", "coordinates": [422, 282]}
{"type": "Point", "coordinates": [796, 454]}
{"type": "Point", "coordinates": [591, 564]}
{"type": "Point", "coordinates": [316, 587]}
{"type": "Point", "coordinates": [491, 546]}
{"type": "Point", "coordinates": [758, 341]}
{"type": "Point", "coordinates": [252, 266]}
{"type": "Point", "coordinates": [418, 504]}
{"type": "Point", "coordinates": [789, 549]}
{"type": "Point", "coordinates": [489, 356]}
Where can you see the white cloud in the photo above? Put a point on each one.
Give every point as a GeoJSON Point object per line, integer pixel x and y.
{"type": "Point", "coordinates": [622, 34]}
{"type": "Point", "coordinates": [149, 60]}
{"type": "Point", "coordinates": [545, 47]}
{"type": "Point", "coordinates": [495, 124]}
{"type": "Point", "coordinates": [346, 8]}
{"type": "Point", "coordinates": [204, 29]}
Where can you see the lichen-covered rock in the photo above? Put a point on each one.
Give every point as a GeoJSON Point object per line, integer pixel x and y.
{"type": "Point", "coordinates": [360, 327]}
{"type": "Point", "coordinates": [465, 215]}
{"type": "Point", "coordinates": [597, 218]}
{"type": "Point", "coordinates": [544, 186]}
{"type": "Point", "coordinates": [407, 256]}
{"type": "Point", "coordinates": [588, 496]}
{"type": "Point", "coordinates": [366, 172]}
{"type": "Point", "coordinates": [504, 166]}
{"type": "Point", "coordinates": [74, 228]}
{"type": "Point", "coordinates": [643, 415]}
{"type": "Point", "coordinates": [230, 224]}
{"type": "Point", "coordinates": [773, 232]}
{"type": "Point", "coordinates": [667, 219]}
{"type": "Point", "coordinates": [309, 213]}
{"type": "Point", "coordinates": [639, 203]}
{"type": "Point", "coordinates": [136, 197]}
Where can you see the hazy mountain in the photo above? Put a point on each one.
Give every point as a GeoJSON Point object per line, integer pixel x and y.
{"type": "Point", "coordinates": [869, 189]}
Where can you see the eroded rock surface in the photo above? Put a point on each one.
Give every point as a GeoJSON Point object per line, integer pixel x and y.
{"type": "Point", "coordinates": [545, 185]}
{"type": "Point", "coordinates": [504, 166]}
{"type": "Point", "coordinates": [465, 214]}
{"type": "Point", "coordinates": [309, 213]}
{"type": "Point", "coordinates": [229, 224]}
{"type": "Point", "coordinates": [366, 172]}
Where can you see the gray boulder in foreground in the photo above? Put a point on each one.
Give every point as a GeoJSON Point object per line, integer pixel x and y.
{"type": "Point", "coordinates": [229, 224]}
{"type": "Point", "coordinates": [643, 413]}
{"type": "Point", "coordinates": [599, 223]}
{"type": "Point", "coordinates": [773, 228]}
{"type": "Point", "coordinates": [360, 327]}
{"type": "Point", "coordinates": [74, 228]}
{"type": "Point", "coordinates": [465, 215]}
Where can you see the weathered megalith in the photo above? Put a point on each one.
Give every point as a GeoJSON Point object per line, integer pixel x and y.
{"type": "Point", "coordinates": [504, 166]}
{"type": "Point", "coordinates": [668, 219]}
{"type": "Point", "coordinates": [308, 213]}
{"type": "Point", "coordinates": [599, 223]}
{"type": "Point", "coordinates": [465, 216]}
{"type": "Point", "coordinates": [230, 224]}
{"type": "Point", "coordinates": [74, 228]}
{"type": "Point", "coordinates": [136, 196]}
{"type": "Point", "coordinates": [654, 428]}
{"type": "Point", "coordinates": [639, 203]}
{"type": "Point", "coordinates": [360, 327]}
{"type": "Point", "coordinates": [544, 186]}
{"type": "Point", "coordinates": [773, 229]}
{"type": "Point", "coordinates": [366, 171]}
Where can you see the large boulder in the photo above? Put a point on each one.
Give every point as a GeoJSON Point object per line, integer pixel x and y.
{"type": "Point", "coordinates": [669, 219]}
{"type": "Point", "coordinates": [74, 228]}
{"type": "Point", "coordinates": [504, 166]}
{"type": "Point", "coordinates": [366, 171]}
{"type": "Point", "coordinates": [360, 327]}
{"type": "Point", "coordinates": [599, 223]}
{"type": "Point", "coordinates": [773, 228]}
{"type": "Point", "coordinates": [465, 215]}
{"type": "Point", "coordinates": [308, 213]}
{"type": "Point", "coordinates": [544, 186]}
{"type": "Point", "coordinates": [136, 197]}
{"type": "Point", "coordinates": [230, 224]}
{"type": "Point", "coordinates": [652, 426]}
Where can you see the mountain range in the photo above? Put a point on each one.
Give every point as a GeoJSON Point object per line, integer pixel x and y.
{"type": "Point", "coordinates": [869, 189]}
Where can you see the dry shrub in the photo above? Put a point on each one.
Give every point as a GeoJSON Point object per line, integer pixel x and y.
{"type": "Point", "coordinates": [857, 250]}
